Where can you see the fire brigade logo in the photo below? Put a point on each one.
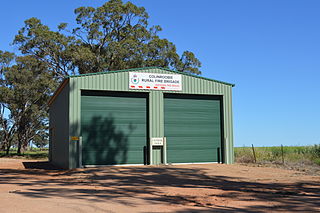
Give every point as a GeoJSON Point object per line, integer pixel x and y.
{"type": "Point", "coordinates": [135, 79]}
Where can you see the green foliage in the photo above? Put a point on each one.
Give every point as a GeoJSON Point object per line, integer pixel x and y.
{"type": "Point", "coordinates": [30, 154]}
{"type": "Point", "coordinates": [315, 150]}
{"type": "Point", "coordinates": [25, 90]}
{"type": "Point", "coordinates": [7, 126]}
{"type": "Point", "coordinates": [52, 48]}
{"type": "Point", "coordinates": [5, 60]}
{"type": "Point", "coordinates": [114, 36]}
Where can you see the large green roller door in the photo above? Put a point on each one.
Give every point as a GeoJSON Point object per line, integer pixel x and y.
{"type": "Point", "coordinates": [193, 128]}
{"type": "Point", "coordinates": [113, 128]}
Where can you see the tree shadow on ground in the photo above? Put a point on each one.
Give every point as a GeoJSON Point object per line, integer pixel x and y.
{"type": "Point", "coordinates": [46, 165]}
{"type": "Point", "coordinates": [150, 184]}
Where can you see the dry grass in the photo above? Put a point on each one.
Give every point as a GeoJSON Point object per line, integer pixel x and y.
{"type": "Point", "coordinates": [301, 158]}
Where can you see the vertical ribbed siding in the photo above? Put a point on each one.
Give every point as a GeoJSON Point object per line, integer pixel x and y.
{"type": "Point", "coordinates": [120, 82]}
{"type": "Point", "coordinates": [74, 111]}
{"type": "Point", "coordinates": [156, 114]}
{"type": "Point", "coordinates": [230, 127]}
{"type": "Point", "coordinates": [59, 125]}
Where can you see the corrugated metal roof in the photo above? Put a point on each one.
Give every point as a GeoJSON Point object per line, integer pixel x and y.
{"type": "Point", "coordinates": [147, 68]}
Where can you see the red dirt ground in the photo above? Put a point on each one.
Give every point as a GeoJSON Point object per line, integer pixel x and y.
{"type": "Point", "coordinates": [31, 186]}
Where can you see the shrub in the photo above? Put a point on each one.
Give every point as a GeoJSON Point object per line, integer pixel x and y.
{"type": "Point", "coordinates": [315, 150]}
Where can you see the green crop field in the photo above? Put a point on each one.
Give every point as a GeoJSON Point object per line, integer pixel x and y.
{"type": "Point", "coordinates": [291, 154]}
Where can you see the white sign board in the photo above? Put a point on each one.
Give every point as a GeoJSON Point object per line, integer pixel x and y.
{"type": "Point", "coordinates": [157, 141]}
{"type": "Point", "coordinates": [155, 81]}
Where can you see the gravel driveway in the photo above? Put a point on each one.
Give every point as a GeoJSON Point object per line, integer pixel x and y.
{"type": "Point", "coordinates": [31, 186]}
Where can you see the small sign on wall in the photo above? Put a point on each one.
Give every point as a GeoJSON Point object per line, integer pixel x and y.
{"type": "Point", "coordinates": [74, 138]}
{"type": "Point", "coordinates": [157, 141]}
{"type": "Point", "coordinates": [155, 81]}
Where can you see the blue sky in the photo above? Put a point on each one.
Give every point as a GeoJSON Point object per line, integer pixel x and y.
{"type": "Point", "coordinates": [269, 48]}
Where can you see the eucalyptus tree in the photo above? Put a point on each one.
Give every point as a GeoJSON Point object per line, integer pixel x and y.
{"type": "Point", "coordinates": [113, 36]}
{"type": "Point", "coordinates": [28, 86]}
{"type": "Point", "coordinates": [7, 126]}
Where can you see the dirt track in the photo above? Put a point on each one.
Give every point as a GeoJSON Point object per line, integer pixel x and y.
{"type": "Point", "coordinates": [30, 186]}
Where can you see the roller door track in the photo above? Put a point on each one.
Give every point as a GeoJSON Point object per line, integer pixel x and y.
{"type": "Point", "coordinates": [193, 128]}
{"type": "Point", "coordinates": [113, 128]}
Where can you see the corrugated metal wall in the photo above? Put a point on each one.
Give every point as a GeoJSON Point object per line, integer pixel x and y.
{"type": "Point", "coordinates": [59, 129]}
{"type": "Point", "coordinates": [118, 81]}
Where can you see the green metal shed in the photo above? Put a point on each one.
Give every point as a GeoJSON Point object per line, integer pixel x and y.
{"type": "Point", "coordinates": [140, 116]}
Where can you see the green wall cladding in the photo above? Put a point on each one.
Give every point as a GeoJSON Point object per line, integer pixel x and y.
{"type": "Point", "coordinates": [59, 130]}
{"type": "Point", "coordinates": [118, 81]}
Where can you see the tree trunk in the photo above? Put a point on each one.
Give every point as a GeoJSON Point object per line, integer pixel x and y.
{"type": "Point", "coordinates": [3, 146]}
{"type": "Point", "coordinates": [24, 144]}
{"type": "Point", "coordinates": [8, 147]}
{"type": "Point", "coordinates": [19, 147]}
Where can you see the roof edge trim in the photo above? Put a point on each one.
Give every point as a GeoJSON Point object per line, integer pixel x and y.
{"type": "Point", "coordinates": [147, 68]}
{"type": "Point", "coordinates": [58, 91]}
